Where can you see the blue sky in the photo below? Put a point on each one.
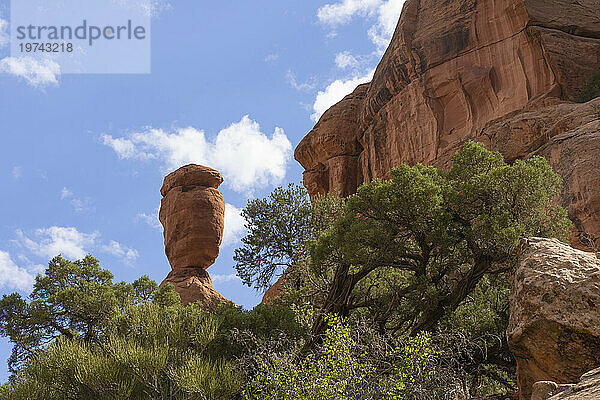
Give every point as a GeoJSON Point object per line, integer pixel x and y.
{"type": "Point", "coordinates": [234, 85]}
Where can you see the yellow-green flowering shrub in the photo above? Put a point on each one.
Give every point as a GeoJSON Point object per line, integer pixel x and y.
{"type": "Point", "coordinates": [340, 369]}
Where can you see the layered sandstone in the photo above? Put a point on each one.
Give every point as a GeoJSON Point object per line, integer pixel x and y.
{"type": "Point", "coordinates": [192, 213]}
{"type": "Point", "coordinates": [575, 155]}
{"type": "Point", "coordinates": [554, 327]}
{"type": "Point", "coordinates": [195, 286]}
{"type": "Point", "coordinates": [501, 72]}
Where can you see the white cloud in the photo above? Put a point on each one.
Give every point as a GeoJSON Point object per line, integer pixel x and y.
{"type": "Point", "coordinates": [245, 156]}
{"type": "Point", "coordinates": [125, 148]}
{"type": "Point", "coordinates": [234, 225]}
{"type": "Point", "coordinates": [301, 86]}
{"type": "Point", "coordinates": [68, 241]}
{"type": "Point", "coordinates": [37, 73]}
{"type": "Point", "coordinates": [335, 92]}
{"type": "Point", "coordinates": [387, 19]}
{"type": "Point", "coordinates": [224, 278]}
{"type": "Point", "coordinates": [123, 252]}
{"type": "Point", "coordinates": [271, 58]}
{"type": "Point", "coordinates": [150, 219]}
{"type": "Point", "coordinates": [345, 60]}
{"type": "Point", "coordinates": [385, 14]}
{"type": "Point", "coordinates": [154, 7]}
{"type": "Point", "coordinates": [17, 173]}
{"type": "Point", "coordinates": [4, 38]}
{"type": "Point", "coordinates": [72, 244]}
{"type": "Point", "coordinates": [342, 12]}
{"type": "Point", "coordinates": [12, 276]}
{"type": "Point", "coordinates": [79, 205]}
{"type": "Point", "coordinates": [65, 194]}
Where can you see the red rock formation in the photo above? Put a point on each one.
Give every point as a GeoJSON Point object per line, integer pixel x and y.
{"type": "Point", "coordinates": [575, 155]}
{"type": "Point", "coordinates": [278, 288]}
{"type": "Point", "coordinates": [501, 72]}
{"type": "Point", "coordinates": [274, 291]}
{"type": "Point", "coordinates": [192, 213]}
{"type": "Point", "coordinates": [194, 285]}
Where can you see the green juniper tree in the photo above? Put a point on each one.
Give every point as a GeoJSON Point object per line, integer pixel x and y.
{"type": "Point", "coordinates": [410, 250]}
{"type": "Point", "coordinates": [427, 250]}
{"type": "Point", "coordinates": [74, 300]}
{"type": "Point", "coordinates": [277, 229]}
{"type": "Point", "coordinates": [81, 336]}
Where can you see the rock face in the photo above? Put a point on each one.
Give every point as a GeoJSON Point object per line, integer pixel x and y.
{"type": "Point", "coordinates": [500, 72]}
{"type": "Point", "coordinates": [554, 327]}
{"type": "Point", "coordinates": [194, 285]}
{"type": "Point", "coordinates": [575, 155]}
{"type": "Point", "coordinates": [274, 291]}
{"type": "Point", "coordinates": [192, 213]}
{"type": "Point", "coordinates": [587, 389]}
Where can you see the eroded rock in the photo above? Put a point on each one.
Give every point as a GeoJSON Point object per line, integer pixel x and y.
{"type": "Point", "coordinates": [588, 388]}
{"type": "Point", "coordinates": [545, 389]}
{"type": "Point", "coordinates": [192, 213]}
{"type": "Point", "coordinates": [195, 286]}
{"type": "Point", "coordinates": [554, 327]}
{"type": "Point", "coordinates": [575, 155]}
{"type": "Point", "coordinates": [500, 72]}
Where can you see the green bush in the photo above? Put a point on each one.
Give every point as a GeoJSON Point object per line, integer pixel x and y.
{"type": "Point", "coordinates": [264, 322]}
{"type": "Point", "coordinates": [590, 90]}
{"type": "Point", "coordinates": [83, 337]}
{"type": "Point", "coordinates": [427, 250]}
{"type": "Point", "coordinates": [340, 369]}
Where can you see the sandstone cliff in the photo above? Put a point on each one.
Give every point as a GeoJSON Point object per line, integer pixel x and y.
{"type": "Point", "coordinates": [192, 213]}
{"type": "Point", "coordinates": [501, 72]}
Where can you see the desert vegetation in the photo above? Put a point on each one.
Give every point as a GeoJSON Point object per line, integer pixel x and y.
{"type": "Point", "coordinates": [590, 90]}
{"type": "Point", "coordinates": [399, 291]}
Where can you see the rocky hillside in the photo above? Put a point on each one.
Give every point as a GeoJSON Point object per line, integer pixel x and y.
{"type": "Point", "coordinates": [502, 72]}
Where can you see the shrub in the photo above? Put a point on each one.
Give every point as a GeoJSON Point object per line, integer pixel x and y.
{"type": "Point", "coordinates": [590, 90]}
{"type": "Point", "coordinates": [341, 368]}
{"type": "Point", "coordinates": [81, 336]}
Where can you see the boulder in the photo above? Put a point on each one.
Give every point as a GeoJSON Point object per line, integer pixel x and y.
{"type": "Point", "coordinates": [545, 389]}
{"type": "Point", "coordinates": [588, 388]}
{"type": "Point", "coordinates": [192, 175]}
{"type": "Point", "coordinates": [554, 327]}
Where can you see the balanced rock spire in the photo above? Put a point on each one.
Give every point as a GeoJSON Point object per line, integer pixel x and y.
{"type": "Point", "coordinates": [192, 213]}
